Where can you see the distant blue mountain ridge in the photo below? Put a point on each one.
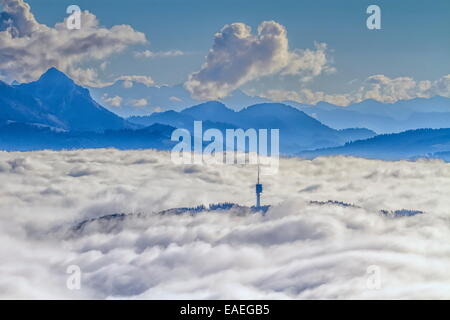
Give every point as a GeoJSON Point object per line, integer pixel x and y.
{"type": "Point", "coordinates": [382, 117]}
{"type": "Point", "coordinates": [377, 116]}
{"type": "Point", "coordinates": [412, 144]}
{"type": "Point", "coordinates": [55, 100]}
{"type": "Point", "coordinates": [164, 97]}
{"type": "Point", "coordinates": [298, 131]}
{"type": "Point", "coordinates": [56, 113]}
{"type": "Point", "coordinates": [63, 113]}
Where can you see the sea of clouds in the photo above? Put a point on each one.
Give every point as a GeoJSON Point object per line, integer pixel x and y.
{"type": "Point", "coordinates": [298, 250]}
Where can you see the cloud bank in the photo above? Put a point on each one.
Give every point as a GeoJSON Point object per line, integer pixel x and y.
{"type": "Point", "coordinates": [29, 48]}
{"type": "Point", "coordinates": [297, 251]}
{"type": "Point", "coordinates": [238, 56]}
{"type": "Point", "coordinates": [377, 87]}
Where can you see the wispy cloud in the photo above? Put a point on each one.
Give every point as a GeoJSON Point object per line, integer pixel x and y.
{"type": "Point", "coordinates": [377, 87]}
{"type": "Point", "coordinates": [139, 103]}
{"type": "Point", "coordinates": [128, 81]}
{"type": "Point", "coordinates": [163, 54]}
{"type": "Point", "coordinates": [115, 101]}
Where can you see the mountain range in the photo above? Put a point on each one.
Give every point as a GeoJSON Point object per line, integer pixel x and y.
{"type": "Point", "coordinates": [374, 115]}
{"type": "Point", "coordinates": [159, 97]}
{"type": "Point", "coordinates": [56, 101]}
{"type": "Point", "coordinates": [298, 131]}
{"type": "Point", "coordinates": [57, 109]}
{"type": "Point", "coordinates": [56, 113]}
{"type": "Point", "coordinates": [382, 117]}
{"type": "Point", "coordinates": [412, 144]}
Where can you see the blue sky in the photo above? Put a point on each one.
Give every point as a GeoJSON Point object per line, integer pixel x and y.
{"type": "Point", "coordinates": [414, 40]}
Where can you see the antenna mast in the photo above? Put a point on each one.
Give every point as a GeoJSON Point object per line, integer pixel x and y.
{"type": "Point", "coordinates": [259, 190]}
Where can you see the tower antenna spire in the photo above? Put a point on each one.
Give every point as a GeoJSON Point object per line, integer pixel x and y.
{"type": "Point", "coordinates": [259, 190]}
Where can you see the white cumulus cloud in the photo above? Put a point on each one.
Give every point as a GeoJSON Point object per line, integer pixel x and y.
{"type": "Point", "coordinates": [29, 48]}
{"type": "Point", "coordinates": [239, 56]}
